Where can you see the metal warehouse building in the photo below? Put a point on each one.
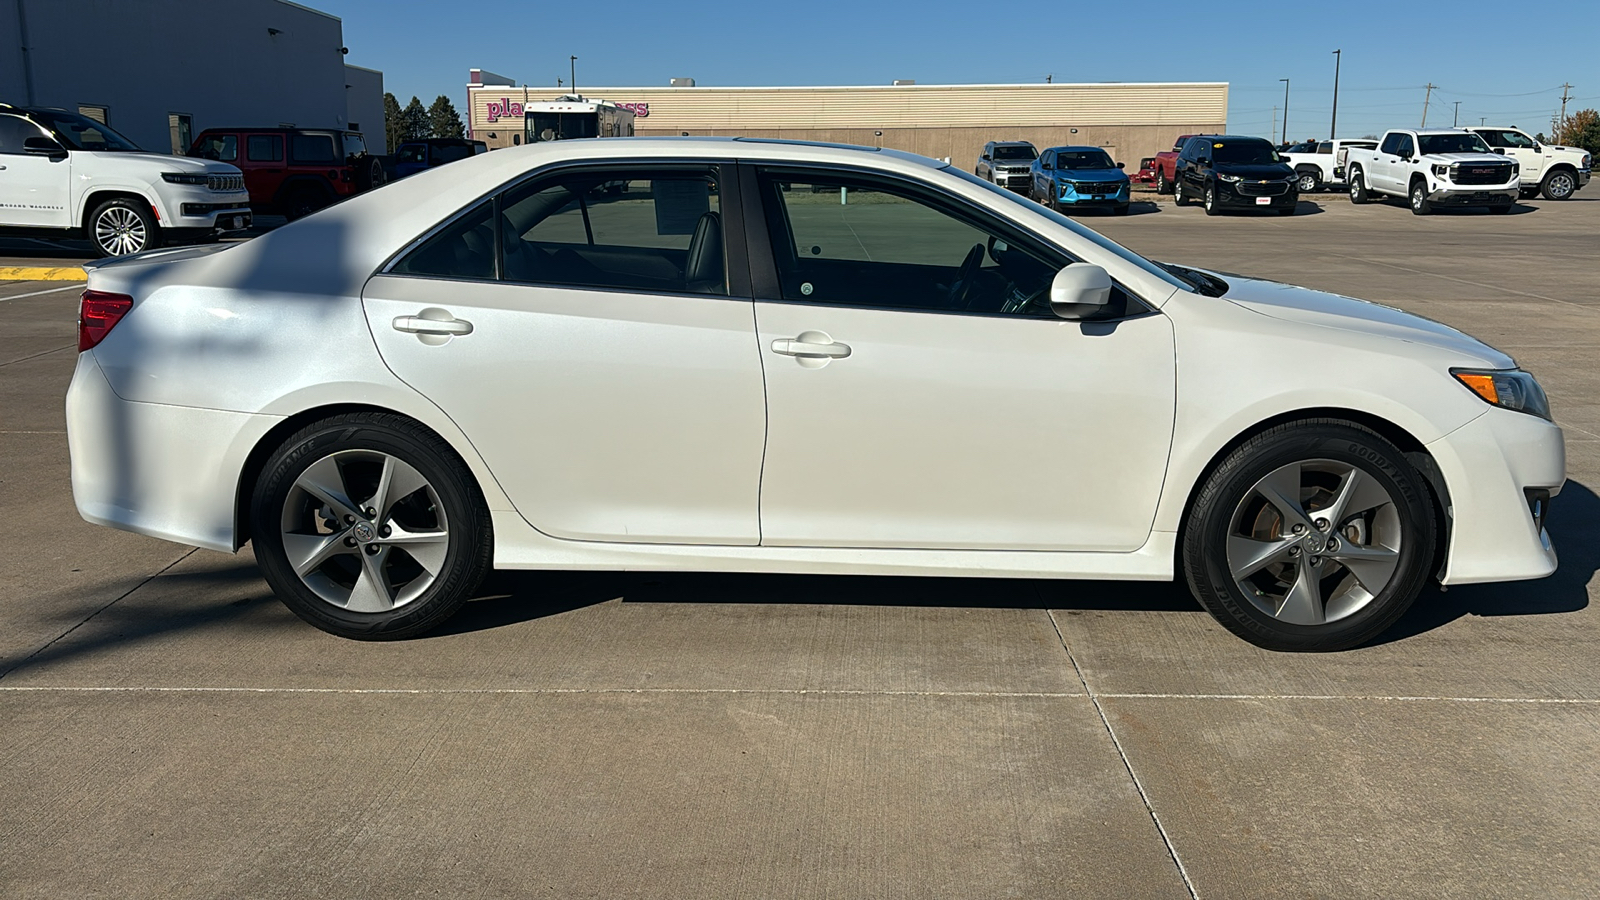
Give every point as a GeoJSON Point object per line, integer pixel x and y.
{"type": "Point", "coordinates": [938, 120]}
{"type": "Point", "coordinates": [161, 71]}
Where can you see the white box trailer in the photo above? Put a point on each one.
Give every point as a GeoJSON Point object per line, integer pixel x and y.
{"type": "Point", "coordinates": [574, 116]}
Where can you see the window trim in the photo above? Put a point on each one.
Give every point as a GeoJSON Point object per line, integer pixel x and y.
{"type": "Point", "coordinates": [734, 244]}
{"type": "Point", "coordinates": [768, 286]}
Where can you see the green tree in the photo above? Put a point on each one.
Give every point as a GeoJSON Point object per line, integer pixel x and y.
{"type": "Point", "coordinates": [443, 120]}
{"type": "Point", "coordinates": [1581, 129]}
{"type": "Point", "coordinates": [414, 125]}
{"type": "Point", "coordinates": [391, 122]}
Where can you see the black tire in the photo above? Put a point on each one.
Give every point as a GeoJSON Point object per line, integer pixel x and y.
{"type": "Point", "coordinates": [1211, 521]}
{"type": "Point", "coordinates": [1559, 185]}
{"type": "Point", "coordinates": [302, 201]}
{"type": "Point", "coordinates": [1418, 198]}
{"type": "Point", "coordinates": [1210, 201]}
{"type": "Point", "coordinates": [1178, 199]}
{"type": "Point", "coordinates": [1163, 186]}
{"type": "Point", "coordinates": [122, 226]}
{"type": "Point", "coordinates": [370, 175]}
{"type": "Point", "coordinates": [1308, 179]}
{"type": "Point", "coordinates": [468, 555]}
{"type": "Point", "coordinates": [1358, 186]}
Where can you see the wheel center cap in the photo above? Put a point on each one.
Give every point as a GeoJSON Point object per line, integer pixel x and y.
{"type": "Point", "coordinates": [363, 532]}
{"type": "Point", "coordinates": [1314, 543]}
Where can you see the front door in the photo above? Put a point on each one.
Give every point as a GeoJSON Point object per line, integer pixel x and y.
{"type": "Point", "coordinates": [604, 369]}
{"type": "Point", "coordinates": [34, 190]}
{"type": "Point", "coordinates": [1527, 153]}
{"type": "Point", "coordinates": [921, 395]}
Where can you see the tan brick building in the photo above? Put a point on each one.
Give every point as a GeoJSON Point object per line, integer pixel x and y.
{"type": "Point", "coordinates": [939, 120]}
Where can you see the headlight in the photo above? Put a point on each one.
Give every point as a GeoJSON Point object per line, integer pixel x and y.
{"type": "Point", "coordinates": [1441, 171]}
{"type": "Point", "coordinates": [1224, 176]}
{"type": "Point", "coordinates": [183, 178]}
{"type": "Point", "coordinates": [1506, 388]}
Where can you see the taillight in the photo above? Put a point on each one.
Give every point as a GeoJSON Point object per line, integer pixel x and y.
{"type": "Point", "coordinates": [98, 314]}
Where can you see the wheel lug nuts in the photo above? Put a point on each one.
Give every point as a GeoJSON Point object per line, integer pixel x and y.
{"type": "Point", "coordinates": [372, 549]}
{"type": "Point", "coordinates": [349, 542]}
{"type": "Point", "coordinates": [1299, 529]}
{"type": "Point", "coordinates": [371, 512]}
{"type": "Point", "coordinates": [384, 531]}
{"type": "Point", "coordinates": [1316, 560]}
{"type": "Point", "coordinates": [349, 520]}
{"type": "Point", "coordinates": [1294, 551]}
{"type": "Point", "coordinates": [1322, 524]}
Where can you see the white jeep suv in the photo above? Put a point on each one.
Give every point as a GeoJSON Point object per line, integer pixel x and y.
{"type": "Point", "coordinates": [66, 175]}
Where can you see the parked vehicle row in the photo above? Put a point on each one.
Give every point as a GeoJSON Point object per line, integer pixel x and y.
{"type": "Point", "coordinates": [1320, 164]}
{"type": "Point", "coordinates": [294, 171]}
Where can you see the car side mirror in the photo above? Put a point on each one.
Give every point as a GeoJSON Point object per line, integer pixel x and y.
{"type": "Point", "coordinates": [1045, 165]}
{"type": "Point", "coordinates": [1079, 291]}
{"type": "Point", "coordinates": [1538, 148]}
{"type": "Point", "coordinates": [1499, 150]}
{"type": "Point", "coordinates": [1204, 160]}
{"type": "Point", "coordinates": [43, 146]}
{"type": "Point", "coordinates": [1122, 165]}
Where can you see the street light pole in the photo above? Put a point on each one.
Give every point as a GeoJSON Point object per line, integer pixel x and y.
{"type": "Point", "coordinates": [1333, 126]}
{"type": "Point", "coordinates": [1285, 109]}
{"type": "Point", "coordinates": [573, 62]}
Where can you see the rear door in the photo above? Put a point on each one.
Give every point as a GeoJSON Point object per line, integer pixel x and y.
{"type": "Point", "coordinates": [34, 189]}
{"type": "Point", "coordinates": [603, 362]}
{"type": "Point", "coordinates": [263, 166]}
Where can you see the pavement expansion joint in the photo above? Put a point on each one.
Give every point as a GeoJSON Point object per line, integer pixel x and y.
{"type": "Point", "coordinates": [39, 354]}
{"type": "Point", "coordinates": [793, 692]}
{"type": "Point", "coordinates": [54, 290]}
{"type": "Point", "coordinates": [1138, 786]}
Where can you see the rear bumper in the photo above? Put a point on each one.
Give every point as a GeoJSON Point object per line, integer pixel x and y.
{"type": "Point", "coordinates": [129, 473]}
{"type": "Point", "coordinates": [1488, 466]}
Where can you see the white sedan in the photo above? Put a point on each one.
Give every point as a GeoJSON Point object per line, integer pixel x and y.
{"type": "Point", "coordinates": [767, 356]}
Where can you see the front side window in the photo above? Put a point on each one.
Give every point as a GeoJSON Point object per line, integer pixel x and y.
{"type": "Point", "coordinates": [84, 133]}
{"type": "Point", "coordinates": [1406, 146]}
{"type": "Point", "coordinates": [312, 148]}
{"type": "Point", "coordinates": [628, 230]}
{"type": "Point", "coordinates": [857, 242]}
{"type": "Point", "coordinates": [14, 133]}
{"type": "Point", "coordinates": [1391, 145]}
{"type": "Point", "coordinates": [264, 148]}
{"type": "Point", "coordinates": [412, 153]}
{"type": "Point", "coordinates": [1516, 139]}
{"type": "Point", "coordinates": [221, 147]}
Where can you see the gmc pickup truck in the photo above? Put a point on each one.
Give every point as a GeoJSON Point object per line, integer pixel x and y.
{"type": "Point", "coordinates": [1436, 167]}
{"type": "Point", "coordinates": [1557, 172]}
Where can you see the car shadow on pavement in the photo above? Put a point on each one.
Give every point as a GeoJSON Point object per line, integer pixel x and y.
{"type": "Point", "coordinates": [1574, 531]}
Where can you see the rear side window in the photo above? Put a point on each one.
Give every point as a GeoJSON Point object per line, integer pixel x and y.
{"type": "Point", "coordinates": [14, 130]}
{"type": "Point", "coordinates": [462, 249]}
{"type": "Point", "coordinates": [264, 148]}
{"type": "Point", "coordinates": [411, 153]}
{"type": "Point", "coordinates": [312, 148]}
{"type": "Point", "coordinates": [223, 147]}
{"type": "Point", "coordinates": [354, 145]}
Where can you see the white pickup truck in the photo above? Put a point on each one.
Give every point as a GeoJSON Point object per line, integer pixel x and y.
{"type": "Point", "coordinates": [1322, 163]}
{"type": "Point", "coordinates": [1434, 167]}
{"type": "Point", "coordinates": [1557, 172]}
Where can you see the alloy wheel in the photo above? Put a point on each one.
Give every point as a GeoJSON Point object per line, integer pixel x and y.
{"type": "Point", "coordinates": [1559, 186]}
{"type": "Point", "coordinates": [119, 231]}
{"type": "Point", "coordinates": [371, 555]}
{"type": "Point", "coordinates": [1308, 183]}
{"type": "Point", "coordinates": [1314, 542]}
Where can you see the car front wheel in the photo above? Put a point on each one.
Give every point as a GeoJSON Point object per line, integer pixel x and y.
{"type": "Point", "coordinates": [123, 226]}
{"type": "Point", "coordinates": [1420, 205]}
{"type": "Point", "coordinates": [369, 526]}
{"type": "Point", "coordinates": [1358, 186]}
{"type": "Point", "coordinates": [1311, 536]}
{"type": "Point", "coordinates": [1210, 201]}
{"type": "Point", "coordinates": [1558, 185]}
{"type": "Point", "coordinates": [1309, 180]}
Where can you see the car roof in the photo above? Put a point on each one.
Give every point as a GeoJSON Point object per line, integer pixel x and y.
{"type": "Point", "coordinates": [1011, 143]}
{"type": "Point", "coordinates": [1077, 147]}
{"type": "Point", "coordinates": [276, 130]}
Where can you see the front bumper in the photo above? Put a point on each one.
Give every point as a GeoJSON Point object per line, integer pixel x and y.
{"type": "Point", "coordinates": [1229, 195]}
{"type": "Point", "coordinates": [171, 472]}
{"type": "Point", "coordinates": [1445, 194]}
{"type": "Point", "coordinates": [1488, 466]}
{"type": "Point", "coordinates": [205, 210]}
{"type": "Point", "coordinates": [1068, 195]}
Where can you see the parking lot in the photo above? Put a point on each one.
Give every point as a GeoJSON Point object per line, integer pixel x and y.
{"type": "Point", "coordinates": [172, 730]}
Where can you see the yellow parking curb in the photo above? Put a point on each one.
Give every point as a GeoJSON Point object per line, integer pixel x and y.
{"type": "Point", "coordinates": [43, 273]}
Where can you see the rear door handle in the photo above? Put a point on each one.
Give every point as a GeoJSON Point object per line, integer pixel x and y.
{"type": "Point", "coordinates": [811, 346]}
{"type": "Point", "coordinates": [421, 325]}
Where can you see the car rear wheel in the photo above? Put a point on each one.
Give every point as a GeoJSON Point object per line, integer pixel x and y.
{"type": "Point", "coordinates": [1163, 186]}
{"type": "Point", "coordinates": [368, 526]}
{"type": "Point", "coordinates": [122, 226]}
{"type": "Point", "coordinates": [1211, 200]}
{"type": "Point", "coordinates": [1311, 536]}
{"type": "Point", "coordinates": [1308, 180]}
{"type": "Point", "coordinates": [1358, 186]}
{"type": "Point", "coordinates": [1558, 185]}
{"type": "Point", "coordinates": [1420, 204]}
{"type": "Point", "coordinates": [303, 201]}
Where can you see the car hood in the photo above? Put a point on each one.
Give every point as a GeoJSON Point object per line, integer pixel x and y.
{"type": "Point", "coordinates": [161, 162]}
{"type": "Point", "coordinates": [1298, 304]}
{"type": "Point", "coordinates": [1269, 170]}
{"type": "Point", "coordinates": [1091, 174]}
{"type": "Point", "coordinates": [1474, 158]}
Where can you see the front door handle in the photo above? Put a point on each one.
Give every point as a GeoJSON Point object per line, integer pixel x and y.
{"type": "Point", "coordinates": [811, 345]}
{"type": "Point", "coordinates": [425, 324]}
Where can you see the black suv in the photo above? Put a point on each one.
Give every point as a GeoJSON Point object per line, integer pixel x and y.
{"type": "Point", "coordinates": [1008, 164]}
{"type": "Point", "coordinates": [1227, 171]}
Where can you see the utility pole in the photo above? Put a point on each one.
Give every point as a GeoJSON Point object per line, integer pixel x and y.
{"type": "Point", "coordinates": [1425, 99]}
{"type": "Point", "coordinates": [1565, 90]}
{"type": "Point", "coordinates": [1333, 126]}
{"type": "Point", "coordinates": [574, 74]}
{"type": "Point", "coordinates": [1285, 109]}
{"type": "Point", "coordinates": [1274, 131]}
{"type": "Point", "coordinates": [1457, 120]}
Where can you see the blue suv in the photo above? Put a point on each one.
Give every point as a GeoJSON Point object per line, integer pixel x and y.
{"type": "Point", "coordinates": [1066, 178]}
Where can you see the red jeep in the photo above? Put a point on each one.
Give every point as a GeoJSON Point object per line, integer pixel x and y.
{"type": "Point", "coordinates": [294, 171]}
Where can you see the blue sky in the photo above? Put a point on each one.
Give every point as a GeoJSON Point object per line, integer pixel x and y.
{"type": "Point", "coordinates": [1509, 73]}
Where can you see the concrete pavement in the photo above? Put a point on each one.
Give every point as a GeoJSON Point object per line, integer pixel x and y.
{"type": "Point", "coordinates": [170, 730]}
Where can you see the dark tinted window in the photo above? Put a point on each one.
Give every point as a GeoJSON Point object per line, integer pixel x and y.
{"type": "Point", "coordinates": [1406, 145]}
{"type": "Point", "coordinates": [641, 231]}
{"type": "Point", "coordinates": [462, 249]}
{"type": "Point", "coordinates": [354, 145]}
{"type": "Point", "coordinates": [1391, 144]}
{"type": "Point", "coordinates": [1084, 159]}
{"type": "Point", "coordinates": [14, 130]}
{"type": "Point", "coordinates": [1465, 142]}
{"type": "Point", "coordinates": [412, 153]}
{"type": "Point", "coordinates": [84, 133]}
{"type": "Point", "coordinates": [1014, 153]}
{"type": "Point", "coordinates": [1246, 153]}
{"type": "Point", "coordinates": [264, 148]}
{"type": "Point", "coordinates": [223, 147]}
{"type": "Point", "coordinates": [450, 153]}
{"type": "Point", "coordinates": [312, 148]}
{"type": "Point", "coordinates": [858, 243]}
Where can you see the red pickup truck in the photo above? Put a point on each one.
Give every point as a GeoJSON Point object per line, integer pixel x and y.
{"type": "Point", "coordinates": [1167, 163]}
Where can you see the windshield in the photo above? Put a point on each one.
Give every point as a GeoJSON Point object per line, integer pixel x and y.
{"type": "Point", "coordinates": [1083, 159]}
{"type": "Point", "coordinates": [1015, 153]}
{"type": "Point", "coordinates": [1452, 143]}
{"type": "Point", "coordinates": [1244, 153]}
{"type": "Point", "coordinates": [550, 126]}
{"type": "Point", "coordinates": [1093, 237]}
{"type": "Point", "coordinates": [83, 133]}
